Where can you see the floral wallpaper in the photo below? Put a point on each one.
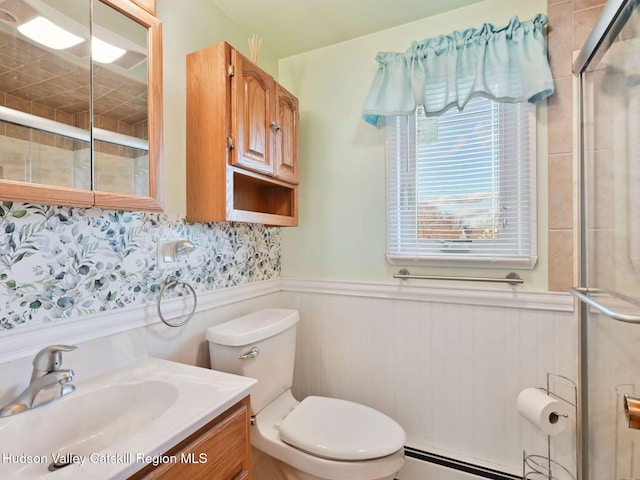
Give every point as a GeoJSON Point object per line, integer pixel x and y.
{"type": "Point", "coordinates": [61, 262]}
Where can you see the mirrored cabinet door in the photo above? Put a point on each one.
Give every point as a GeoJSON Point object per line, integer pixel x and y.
{"type": "Point", "coordinates": [80, 103]}
{"type": "Point", "coordinates": [127, 86]}
{"type": "Point", "coordinates": [45, 94]}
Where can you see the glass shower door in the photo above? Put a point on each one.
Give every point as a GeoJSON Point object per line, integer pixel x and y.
{"type": "Point", "coordinates": [609, 68]}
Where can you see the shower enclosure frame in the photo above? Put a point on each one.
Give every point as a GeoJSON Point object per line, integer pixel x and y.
{"type": "Point", "coordinates": [614, 17]}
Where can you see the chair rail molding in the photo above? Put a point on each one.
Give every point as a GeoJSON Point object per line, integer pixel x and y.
{"type": "Point", "coordinates": [509, 298]}
{"type": "Point", "coordinates": [25, 342]}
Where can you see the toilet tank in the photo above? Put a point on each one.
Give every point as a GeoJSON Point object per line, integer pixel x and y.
{"type": "Point", "coordinates": [260, 345]}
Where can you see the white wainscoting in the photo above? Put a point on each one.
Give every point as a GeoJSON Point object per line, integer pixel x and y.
{"type": "Point", "coordinates": [446, 363]}
{"type": "Point", "coordinates": [113, 338]}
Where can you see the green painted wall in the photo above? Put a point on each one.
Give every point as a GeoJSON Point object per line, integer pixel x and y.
{"type": "Point", "coordinates": [342, 234]}
{"type": "Point", "coordinates": [187, 27]}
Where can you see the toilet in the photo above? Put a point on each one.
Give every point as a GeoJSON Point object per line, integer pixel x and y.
{"type": "Point", "coordinates": [318, 438]}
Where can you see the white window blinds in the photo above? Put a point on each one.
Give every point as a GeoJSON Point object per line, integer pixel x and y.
{"type": "Point", "coordinates": [461, 186]}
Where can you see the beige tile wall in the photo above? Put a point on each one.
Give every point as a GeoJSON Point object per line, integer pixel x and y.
{"type": "Point", "coordinates": [570, 23]}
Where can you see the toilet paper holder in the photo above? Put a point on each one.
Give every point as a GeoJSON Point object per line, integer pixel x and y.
{"type": "Point", "coordinates": [543, 466]}
{"type": "Point", "coordinates": [555, 417]}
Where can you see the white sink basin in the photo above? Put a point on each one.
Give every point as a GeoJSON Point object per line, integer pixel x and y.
{"type": "Point", "coordinates": [86, 421]}
{"type": "Point", "coordinates": [112, 424]}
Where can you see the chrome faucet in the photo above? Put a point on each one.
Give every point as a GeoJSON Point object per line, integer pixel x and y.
{"type": "Point", "coordinates": [48, 381]}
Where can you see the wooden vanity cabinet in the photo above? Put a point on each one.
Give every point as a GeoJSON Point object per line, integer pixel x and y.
{"type": "Point", "coordinates": [221, 450]}
{"type": "Point", "coordinates": [242, 141]}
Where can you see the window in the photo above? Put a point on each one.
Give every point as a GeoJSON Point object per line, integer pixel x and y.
{"type": "Point", "coordinates": [461, 186]}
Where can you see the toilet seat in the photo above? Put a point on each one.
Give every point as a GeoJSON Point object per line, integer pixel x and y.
{"type": "Point", "coordinates": [341, 430]}
{"type": "Point", "coordinates": [265, 436]}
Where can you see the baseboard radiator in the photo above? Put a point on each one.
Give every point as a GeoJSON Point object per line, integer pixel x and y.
{"type": "Point", "coordinates": [469, 468]}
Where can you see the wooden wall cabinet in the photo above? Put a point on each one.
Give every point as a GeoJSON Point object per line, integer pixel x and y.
{"type": "Point", "coordinates": [242, 141]}
{"type": "Point", "coordinates": [221, 450]}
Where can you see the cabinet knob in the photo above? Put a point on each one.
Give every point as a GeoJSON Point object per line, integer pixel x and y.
{"type": "Point", "coordinates": [276, 127]}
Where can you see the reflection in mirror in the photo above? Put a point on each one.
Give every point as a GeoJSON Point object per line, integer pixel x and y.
{"type": "Point", "coordinates": [120, 110]}
{"type": "Point", "coordinates": [45, 92]}
{"type": "Point", "coordinates": [73, 131]}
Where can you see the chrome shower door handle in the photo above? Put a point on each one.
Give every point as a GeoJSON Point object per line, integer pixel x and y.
{"type": "Point", "coordinates": [254, 352]}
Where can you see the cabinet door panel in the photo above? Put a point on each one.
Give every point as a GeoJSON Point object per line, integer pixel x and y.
{"type": "Point", "coordinates": [251, 92]}
{"type": "Point", "coordinates": [72, 130]}
{"type": "Point", "coordinates": [221, 452]}
{"type": "Point", "coordinates": [285, 136]}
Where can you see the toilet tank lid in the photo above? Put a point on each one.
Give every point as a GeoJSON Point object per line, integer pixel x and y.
{"type": "Point", "coordinates": [252, 327]}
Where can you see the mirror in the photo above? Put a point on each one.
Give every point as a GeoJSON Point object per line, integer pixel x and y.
{"type": "Point", "coordinates": [64, 63]}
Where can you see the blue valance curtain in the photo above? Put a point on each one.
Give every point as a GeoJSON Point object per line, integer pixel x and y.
{"type": "Point", "coordinates": [507, 64]}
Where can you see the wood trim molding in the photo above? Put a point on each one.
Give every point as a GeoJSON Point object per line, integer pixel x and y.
{"type": "Point", "coordinates": [510, 298]}
{"type": "Point", "coordinates": [148, 5]}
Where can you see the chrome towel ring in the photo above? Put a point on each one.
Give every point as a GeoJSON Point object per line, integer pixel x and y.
{"type": "Point", "coordinates": [172, 283]}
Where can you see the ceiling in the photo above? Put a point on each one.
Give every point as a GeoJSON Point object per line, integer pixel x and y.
{"type": "Point", "coordinates": [41, 81]}
{"type": "Point", "coordinates": [289, 27]}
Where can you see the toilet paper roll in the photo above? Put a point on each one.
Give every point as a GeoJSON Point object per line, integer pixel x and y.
{"type": "Point", "coordinates": [543, 411]}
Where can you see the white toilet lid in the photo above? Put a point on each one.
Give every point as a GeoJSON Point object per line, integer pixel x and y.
{"type": "Point", "coordinates": [341, 430]}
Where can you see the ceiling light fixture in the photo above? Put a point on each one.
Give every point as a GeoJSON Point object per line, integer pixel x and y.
{"type": "Point", "coordinates": [49, 34]}
{"type": "Point", "coordinates": [104, 52]}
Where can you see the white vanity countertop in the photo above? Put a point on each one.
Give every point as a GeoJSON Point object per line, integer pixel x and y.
{"type": "Point", "coordinates": [118, 421]}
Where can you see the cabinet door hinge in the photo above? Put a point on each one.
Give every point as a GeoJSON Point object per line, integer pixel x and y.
{"type": "Point", "coordinates": [231, 142]}
{"type": "Point", "coordinates": [231, 70]}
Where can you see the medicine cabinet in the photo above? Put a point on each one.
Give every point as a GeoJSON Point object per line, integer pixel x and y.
{"type": "Point", "coordinates": [81, 103]}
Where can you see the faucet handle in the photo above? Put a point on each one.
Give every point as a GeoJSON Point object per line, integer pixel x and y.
{"type": "Point", "coordinates": [49, 359]}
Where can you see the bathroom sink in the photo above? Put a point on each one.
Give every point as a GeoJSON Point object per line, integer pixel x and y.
{"type": "Point", "coordinates": [86, 422]}
{"type": "Point", "coordinates": [112, 424]}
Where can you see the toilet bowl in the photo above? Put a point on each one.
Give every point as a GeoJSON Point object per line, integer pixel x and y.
{"type": "Point", "coordinates": [318, 438]}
